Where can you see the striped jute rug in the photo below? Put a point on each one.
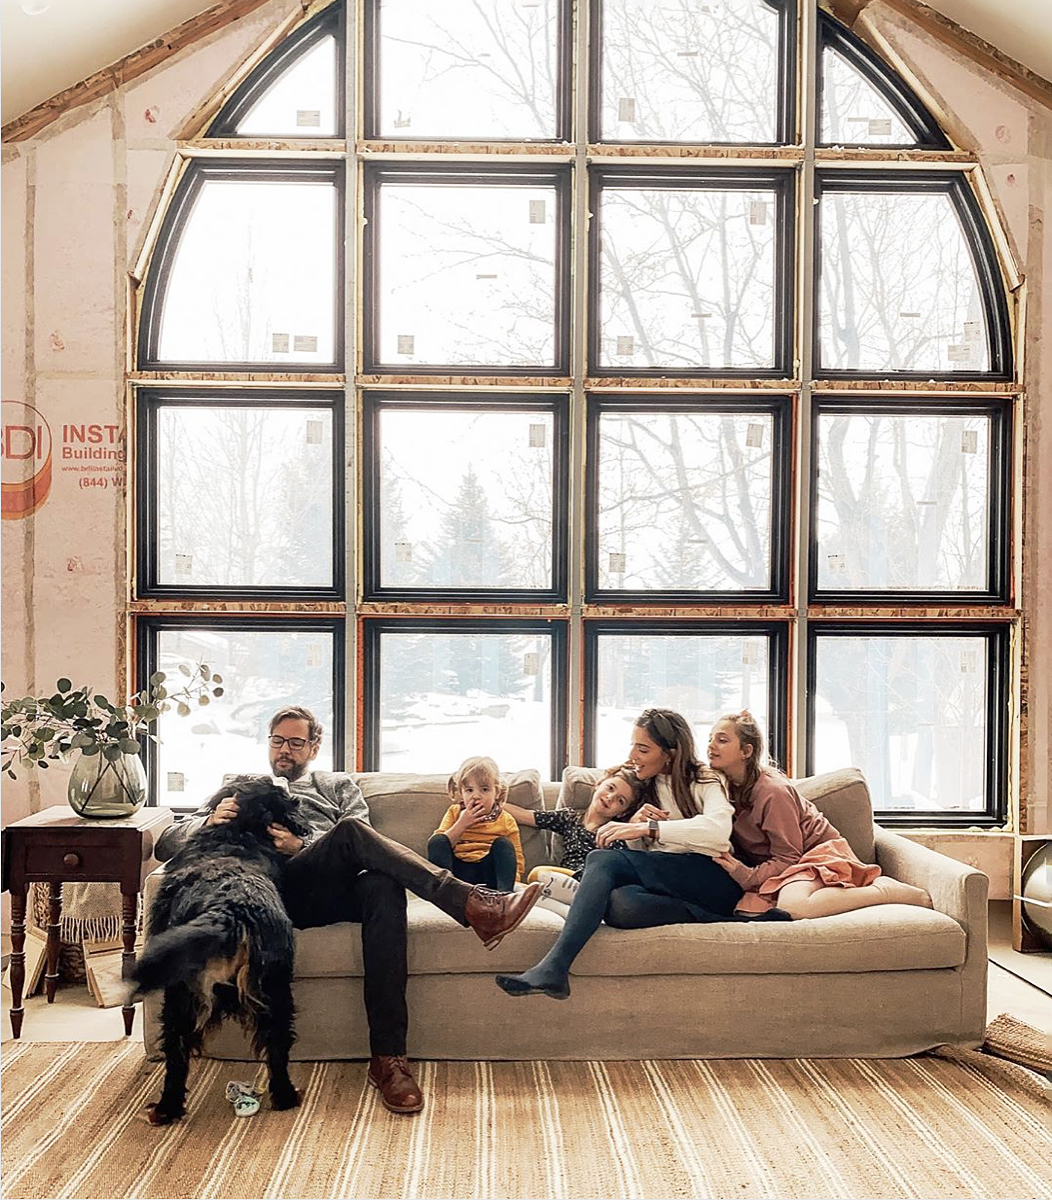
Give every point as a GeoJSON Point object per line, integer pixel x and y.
{"type": "Point", "coordinates": [73, 1125]}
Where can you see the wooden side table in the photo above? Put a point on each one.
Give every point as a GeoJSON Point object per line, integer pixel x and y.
{"type": "Point", "coordinates": [55, 846]}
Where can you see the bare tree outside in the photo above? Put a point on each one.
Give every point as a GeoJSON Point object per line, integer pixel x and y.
{"type": "Point", "coordinates": [468, 70]}
{"type": "Point", "coordinates": [681, 71]}
{"type": "Point", "coordinates": [853, 111]}
{"type": "Point", "coordinates": [254, 276]}
{"type": "Point", "coordinates": [899, 290]}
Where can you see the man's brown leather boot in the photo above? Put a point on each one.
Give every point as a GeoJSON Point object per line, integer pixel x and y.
{"type": "Point", "coordinates": [494, 914]}
{"type": "Point", "coordinates": [398, 1089]}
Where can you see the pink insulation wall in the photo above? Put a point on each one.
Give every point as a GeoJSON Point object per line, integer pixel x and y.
{"type": "Point", "coordinates": [77, 199]}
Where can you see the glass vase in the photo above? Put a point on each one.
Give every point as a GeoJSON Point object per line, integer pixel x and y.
{"type": "Point", "coordinates": [105, 789]}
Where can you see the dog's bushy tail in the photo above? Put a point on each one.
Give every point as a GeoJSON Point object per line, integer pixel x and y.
{"type": "Point", "coordinates": [183, 953]}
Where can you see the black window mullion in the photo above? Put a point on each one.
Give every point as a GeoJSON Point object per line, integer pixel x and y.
{"type": "Point", "coordinates": [374, 403]}
{"type": "Point", "coordinates": [891, 86]}
{"type": "Point", "coordinates": [173, 227]}
{"type": "Point", "coordinates": [782, 182]}
{"type": "Point", "coordinates": [776, 632]}
{"type": "Point", "coordinates": [980, 246]}
{"type": "Point", "coordinates": [779, 408]}
{"type": "Point", "coordinates": [331, 22]}
{"type": "Point", "coordinates": [476, 175]}
{"type": "Point", "coordinates": [999, 413]}
{"type": "Point", "coordinates": [150, 402]}
{"type": "Point", "coordinates": [997, 637]}
{"type": "Point", "coordinates": [147, 628]}
{"type": "Point", "coordinates": [373, 630]}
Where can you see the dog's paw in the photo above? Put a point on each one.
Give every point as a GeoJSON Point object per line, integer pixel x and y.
{"type": "Point", "coordinates": [279, 1101]}
{"type": "Point", "coordinates": [161, 1116]}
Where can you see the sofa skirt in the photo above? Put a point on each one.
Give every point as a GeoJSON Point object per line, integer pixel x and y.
{"type": "Point", "coordinates": [874, 1014]}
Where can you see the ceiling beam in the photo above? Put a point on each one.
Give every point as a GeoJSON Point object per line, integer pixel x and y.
{"type": "Point", "coordinates": [128, 68]}
{"type": "Point", "coordinates": [965, 43]}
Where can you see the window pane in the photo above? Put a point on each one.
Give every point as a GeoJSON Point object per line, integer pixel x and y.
{"type": "Point", "coordinates": [699, 675]}
{"type": "Point", "coordinates": [466, 499]}
{"type": "Point", "coordinates": [690, 72]}
{"type": "Point", "coordinates": [685, 501]}
{"type": "Point", "coordinates": [910, 712]}
{"type": "Point", "coordinates": [903, 502]}
{"type": "Point", "coordinates": [245, 497]}
{"type": "Point", "coordinates": [898, 289]}
{"type": "Point", "coordinates": [253, 276]}
{"type": "Point", "coordinates": [853, 110]}
{"type": "Point", "coordinates": [262, 671]}
{"type": "Point", "coordinates": [687, 278]}
{"type": "Point", "coordinates": [445, 696]}
{"type": "Point", "coordinates": [465, 69]}
{"type": "Point", "coordinates": [301, 102]}
{"type": "Point", "coordinates": [467, 275]}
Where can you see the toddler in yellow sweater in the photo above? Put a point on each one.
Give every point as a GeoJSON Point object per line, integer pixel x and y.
{"type": "Point", "coordinates": [477, 840]}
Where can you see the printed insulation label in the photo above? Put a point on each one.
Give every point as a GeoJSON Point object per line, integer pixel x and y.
{"type": "Point", "coordinates": [93, 455]}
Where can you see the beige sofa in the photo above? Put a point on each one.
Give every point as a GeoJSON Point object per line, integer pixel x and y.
{"type": "Point", "coordinates": [884, 981]}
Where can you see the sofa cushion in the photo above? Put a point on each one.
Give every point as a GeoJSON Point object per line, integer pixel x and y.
{"type": "Point", "coordinates": [408, 808]}
{"type": "Point", "coordinates": [437, 945]}
{"type": "Point", "coordinates": [884, 938]}
{"type": "Point", "coordinates": [842, 796]}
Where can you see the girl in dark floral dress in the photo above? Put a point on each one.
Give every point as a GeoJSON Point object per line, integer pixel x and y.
{"type": "Point", "coordinates": [615, 798]}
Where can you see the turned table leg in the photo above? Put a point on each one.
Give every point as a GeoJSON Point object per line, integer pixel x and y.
{"type": "Point", "coordinates": [18, 957]}
{"type": "Point", "coordinates": [54, 918]}
{"type": "Point", "coordinates": [129, 911]}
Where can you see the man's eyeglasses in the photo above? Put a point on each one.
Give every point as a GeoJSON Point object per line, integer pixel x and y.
{"type": "Point", "coordinates": [277, 742]}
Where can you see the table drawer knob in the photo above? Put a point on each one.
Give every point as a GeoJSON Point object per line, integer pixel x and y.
{"type": "Point", "coordinates": [71, 860]}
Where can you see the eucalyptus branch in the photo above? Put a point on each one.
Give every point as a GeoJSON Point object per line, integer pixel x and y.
{"type": "Point", "coordinates": [36, 730]}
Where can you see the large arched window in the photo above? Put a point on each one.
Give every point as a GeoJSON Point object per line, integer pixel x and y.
{"type": "Point", "coordinates": [543, 396]}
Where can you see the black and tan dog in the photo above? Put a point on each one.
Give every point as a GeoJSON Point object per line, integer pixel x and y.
{"type": "Point", "coordinates": [221, 944]}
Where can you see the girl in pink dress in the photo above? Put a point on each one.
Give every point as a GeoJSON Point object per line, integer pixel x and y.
{"type": "Point", "coordinates": [789, 855]}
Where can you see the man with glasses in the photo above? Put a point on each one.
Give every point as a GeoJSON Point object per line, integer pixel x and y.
{"type": "Point", "coordinates": [345, 871]}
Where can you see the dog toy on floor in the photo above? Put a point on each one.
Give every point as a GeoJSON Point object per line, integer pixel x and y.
{"type": "Point", "coordinates": [244, 1097]}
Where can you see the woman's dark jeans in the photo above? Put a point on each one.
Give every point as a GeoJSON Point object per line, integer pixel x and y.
{"type": "Point", "coordinates": [637, 890]}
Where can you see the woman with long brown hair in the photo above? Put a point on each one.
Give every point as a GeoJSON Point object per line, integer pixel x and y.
{"type": "Point", "coordinates": [665, 873]}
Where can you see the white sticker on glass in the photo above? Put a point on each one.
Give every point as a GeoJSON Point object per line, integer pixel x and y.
{"type": "Point", "coordinates": [700, 316]}
{"type": "Point", "coordinates": [184, 564]}
{"type": "Point", "coordinates": [531, 663]}
{"type": "Point", "coordinates": [959, 353]}
{"type": "Point", "coordinates": [969, 441]}
{"type": "Point", "coordinates": [754, 435]}
{"type": "Point", "coordinates": [403, 551]}
{"type": "Point", "coordinates": [313, 654]}
{"type": "Point", "coordinates": [485, 276]}
{"type": "Point", "coordinates": [405, 343]}
{"type": "Point", "coordinates": [750, 654]}
{"type": "Point", "coordinates": [538, 212]}
{"type": "Point", "coordinates": [175, 781]}
{"type": "Point", "coordinates": [836, 564]}
{"type": "Point", "coordinates": [969, 661]}
{"type": "Point", "coordinates": [626, 346]}
{"type": "Point", "coordinates": [626, 109]}
{"type": "Point", "coordinates": [880, 127]}
{"type": "Point", "coordinates": [279, 343]}
{"type": "Point", "coordinates": [308, 118]}
{"type": "Point", "coordinates": [538, 436]}
{"type": "Point", "coordinates": [617, 563]}
{"type": "Point", "coordinates": [973, 331]}
{"type": "Point", "coordinates": [757, 212]}
{"type": "Point", "coordinates": [305, 343]}
{"type": "Point", "coordinates": [402, 120]}
{"type": "Point", "coordinates": [315, 432]}
{"type": "Point", "coordinates": [913, 316]}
